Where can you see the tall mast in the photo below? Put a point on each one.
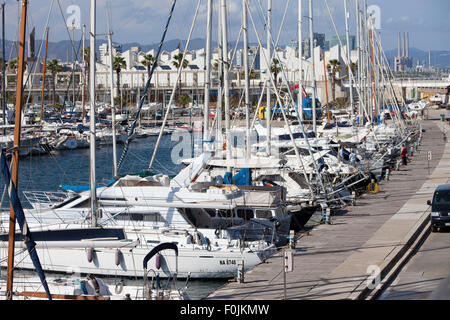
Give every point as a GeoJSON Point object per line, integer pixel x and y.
{"type": "Point", "coordinates": [367, 61]}
{"type": "Point", "coordinates": [43, 75]}
{"type": "Point", "coordinates": [313, 76]}
{"type": "Point", "coordinates": [83, 70]}
{"type": "Point", "coordinates": [92, 116]}
{"type": "Point", "coordinates": [113, 108]}
{"type": "Point", "coordinates": [326, 86]}
{"type": "Point", "coordinates": [15, 151]}
{"type": "Point", "coordinates": [247, 79]}
{"type": "Point", "coordinates": [300, 60]}
{"type": "Point", "coordinates": [3, 68]}
{"type": "Point", "coordinates": [349, 61]}
{"type": "Point", "coordinates": [208, 71]}
{"type": "Point", "coordinates": [373, 75]}
{"type": "Point", "coordinates": [358, 43]}
{"type": "Point", "coordinates": [220, 75]}
{"type": "Point", "coordinates": [225, 80]}
{"type": "Point", "coordinates": [269, 55]}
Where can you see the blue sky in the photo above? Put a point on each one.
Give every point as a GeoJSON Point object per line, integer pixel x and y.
{"type": "Point", "coordinates": [428, 22]}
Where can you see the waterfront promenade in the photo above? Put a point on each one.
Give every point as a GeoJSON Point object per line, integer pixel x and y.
{"type": "Point", "coordinates": [334, 261]}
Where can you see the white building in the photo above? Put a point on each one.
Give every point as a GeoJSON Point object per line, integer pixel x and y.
{"type": "Point", "coordinates": [135, 75]}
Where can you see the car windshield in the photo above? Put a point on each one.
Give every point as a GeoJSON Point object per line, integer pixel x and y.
{"type": "Point", "coordinates": [441, 201]}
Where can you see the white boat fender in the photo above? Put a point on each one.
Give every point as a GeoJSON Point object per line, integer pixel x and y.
{"type": "Point", "coordinates": [158, 261]}
{"type": "Point", "coordinates": [90, 254]}
{"type": "Point", "coordinates": [119, 287]}
{"type": "Point", "coordinates": [118, 257]}
{"type": "Point", "coordinates": [208, 244]}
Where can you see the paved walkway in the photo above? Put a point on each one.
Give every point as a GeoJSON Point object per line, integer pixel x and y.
{"type": "Point", "coordinates": [333, 261]}
{"type": "Point", "coordinates": [429, 266]}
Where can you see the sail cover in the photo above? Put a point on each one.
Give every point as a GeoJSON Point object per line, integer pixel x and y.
{"type": "Point", "coordinates": [20, 216]}
{"type": "Point", "coordinates": [158, 248]}
{"type": "Point", "coordinates": [81, 188]}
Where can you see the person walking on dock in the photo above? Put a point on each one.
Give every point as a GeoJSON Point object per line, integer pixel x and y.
{"type": "Point", "coordinates": [404, 154]}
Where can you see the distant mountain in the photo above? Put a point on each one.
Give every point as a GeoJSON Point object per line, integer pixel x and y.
{"type": "Point", "coordinates": [62, 50]}
{"type": "Point", "coordinates": [440, 59]}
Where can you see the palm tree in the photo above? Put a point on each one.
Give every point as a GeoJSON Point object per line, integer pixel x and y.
{"type": "Point", "coordinates": [13, 65]}
{"type": "Point", "coordinates": [353, 66]}
{"type": "Point", "coordinates": [118, 64]}
{"type": "Point", "coordinates": [177, 63]}
{"type": "Point", "coordinates": [216, 65]}
{"type": "Point", "coordinates": [275, 69]}
{"type": "Point", "coordinates": [333, 67]}
{"type": "Point", "coordinates": [184, 100]}
{"type": "Point", "coordinates": [54, 67]}
{"type": "Point", "coordinates": [148, 62]}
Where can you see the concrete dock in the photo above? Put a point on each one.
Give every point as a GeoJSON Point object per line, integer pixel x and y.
{"type": "Point", "coordinates": [365, 242]}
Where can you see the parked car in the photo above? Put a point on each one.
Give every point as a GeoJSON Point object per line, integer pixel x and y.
{"type": "Point", "coordinates": [440, 208]}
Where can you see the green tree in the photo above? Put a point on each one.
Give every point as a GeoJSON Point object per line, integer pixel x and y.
{"type": "Point", "coordinates": [54, 67]}
{"type": "Point", "coordinates": [184, 100]}
{"type": "Point", "coordinates": [13, 65]}
{"type": "Point", "coordinates": [333, 67]}
{"type": "Point", "coordinates": [275, 69]}
{"type": "Point", "coordinates": [178, 63]}
{"type": "Point", "coordinates": [353, 66]}
{"type": "Point", "coordinates": [118, 64]}
{"type": "Point", "coordinates": [148, 63]}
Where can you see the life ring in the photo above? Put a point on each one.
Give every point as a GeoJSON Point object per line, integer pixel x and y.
{"type": "Point", "coordinates": [119, 287]}
{"type": "Point", "coordinates": [373, 187]}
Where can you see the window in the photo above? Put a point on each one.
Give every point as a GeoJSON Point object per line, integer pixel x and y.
{"type": "Point", "coordinates": [149, 217]}
{"type": "Point", "coordinates": [223, 213]}
{"type": "Point", "coordinates": [263, 214]}
{"type": "Point", "coordinates": [245, 214]}
{"type": "Point", "coordinates": [211, 212]}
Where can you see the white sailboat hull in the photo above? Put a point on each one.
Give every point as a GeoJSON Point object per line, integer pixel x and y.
{"type": "Point", "coordinates": [194, 263]}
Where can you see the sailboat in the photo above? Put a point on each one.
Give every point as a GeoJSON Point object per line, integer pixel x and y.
{"type": "Point", "coordinates": [89, 237]}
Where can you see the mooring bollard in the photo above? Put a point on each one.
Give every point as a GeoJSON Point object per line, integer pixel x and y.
{"type": "Point", "coordinates": [327, 215]}
{"type": "Point", "coordinates": [292, 239]}
{"type": "Point", "coordinates": [353, 198]}
{"type": "Point", "coordinates": [240, 272]}
{"type": "Point", "coordinates": [325, 212]}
